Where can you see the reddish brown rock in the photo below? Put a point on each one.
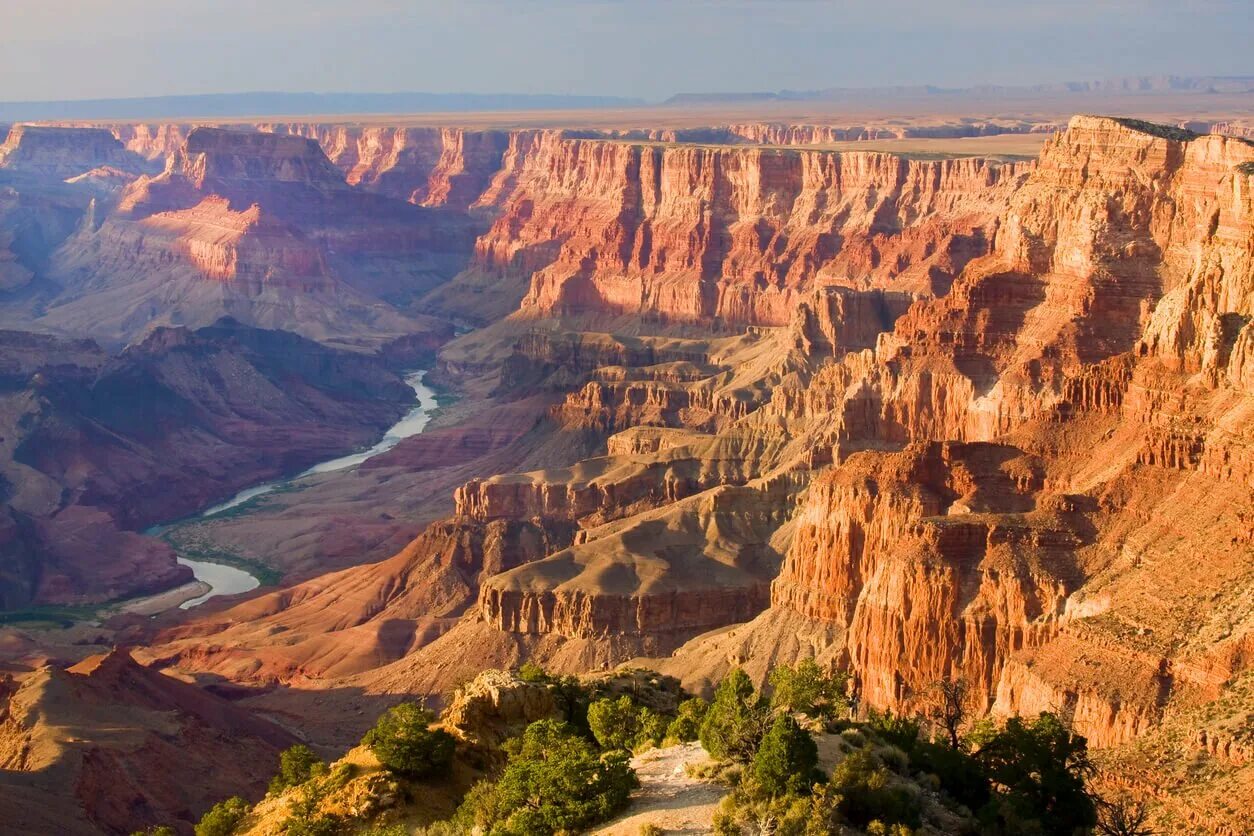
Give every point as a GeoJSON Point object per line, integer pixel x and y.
{"type": "Point", "coordinates": [1104, 338]}
{"type": "Point", "coordinates": [97, 443]}
{"type": "Point", "coordinates": [695, 234]}
{"type": "Point", "coordinates": [62, 153]}
{"type": "Point", "coordinates": [280, 237]}
{"type": "Point", "coordinates": [109, 745]}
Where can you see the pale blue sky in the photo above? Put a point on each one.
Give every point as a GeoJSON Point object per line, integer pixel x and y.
{"type": "Point", "coordinates": [56, 49]}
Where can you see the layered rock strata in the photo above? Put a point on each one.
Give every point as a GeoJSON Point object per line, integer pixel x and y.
{"type": "Point", "coordinates": [261, 227]}
{"type": "Point", "coordinates": [61, 153]}
{"type": "Point", "coordinates": [701, 234]}
{"type": "Point", "coordinates": [1003, 469]}
{"type": "Point", "coordinates": [1102, 346]}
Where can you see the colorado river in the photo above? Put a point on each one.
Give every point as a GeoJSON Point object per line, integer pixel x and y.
{"type": "Point", "coordinates": [229, 580]}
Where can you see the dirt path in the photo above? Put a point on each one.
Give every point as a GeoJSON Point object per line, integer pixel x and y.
{"type": "Point", "coordinates": [667, 797]}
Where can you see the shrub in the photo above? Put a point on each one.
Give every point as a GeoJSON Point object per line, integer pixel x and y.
{"type": "Point", "coordinates": [296, 766]}
{"type": "Point", "coordinates": [854, 738]}
{"type": "Point", "coordinates": [1040, 767]}
{"type": "Point", "coordinates": [652, 729]}
{"type": "Point", "coordinates": [902, 732]}
{"type": "Point", "coordinates": [735, 721]}
{"type": "Point", "coordinates": [479, 810]}
{"type": "Point", "coordinates": [620, 724]}
{"type": "Point", "coordinates": [687, 723]}
{"type": "Point", "coordinates": [531, 672]}
{"type": "Point", "coordinates": [749, 808]}
{"type": "Point", "coordinates": [572, 698]}
{"type": "Point", "coordinates": [724, 824]}
{"type": "Point", "coordinates": [555, 781]}
{"type": "Point", "coordinates": [867, 793]}
{"type": "Point", "coordinates": [304, 816]}
{"type": "Point", "coordinates": [614, 723]}
{"type": "Point", "coordinates": [878, 828]}
{"type": "Point", "coordinates": [405, 743]}
{"type": "Point", "coordinates": [650, 829]}
{"type": "Point", "coordinates": [786, 760]}
{"type": "Point", "coordinates": [959, 774]}
{"type": "Point", "coordinates": [223, 818]}
{"type": "Point", "coordinates": [806, 689]}
{"type": "Point", "coordinates": [893, 758]}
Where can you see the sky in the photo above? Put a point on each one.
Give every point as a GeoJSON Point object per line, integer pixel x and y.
{"type": "Point", "coordinates": [76, 49]}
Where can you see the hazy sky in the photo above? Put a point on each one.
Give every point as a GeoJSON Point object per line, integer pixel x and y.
{"type": "Point", "coordinates": [66, 49]}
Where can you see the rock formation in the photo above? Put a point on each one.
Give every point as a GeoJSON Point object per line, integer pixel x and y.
{"type": "Point", "coordinates": [695, 234]}
{"type": "Point", "coordinates": [917, 418]}
{"type": "Point", "coordinates": [109, 745]}
{"type": "Point", "coordinates": [99, 447]}
{"type": "Point", "coordinates": [258, 226]}
{"type": "Point", "coordinates": [1011, 484]}
{"type": "Point", "coordinates": [62, 153]}
{"type": "Point", "coordinates": [1101, 347]}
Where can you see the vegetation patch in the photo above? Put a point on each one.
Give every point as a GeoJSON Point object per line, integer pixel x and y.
{"type": "Point", "coordinates": [1162, 131]}
{"type": "Point", "coordinates": [886, 775]}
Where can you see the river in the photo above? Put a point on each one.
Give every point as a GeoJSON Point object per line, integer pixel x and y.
{"type": "Point", "coordinates": [229, 580]}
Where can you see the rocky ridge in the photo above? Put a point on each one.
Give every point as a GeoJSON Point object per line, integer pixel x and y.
{"type": "Point", "coordinates": [257, 226]}
{"type": "Point", "coordinates": [108, 745]}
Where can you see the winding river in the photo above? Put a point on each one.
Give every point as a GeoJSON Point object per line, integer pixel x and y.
{"type": "Point", "coordinates": [229, 580]}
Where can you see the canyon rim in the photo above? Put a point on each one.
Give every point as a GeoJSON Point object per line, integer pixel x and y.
{"type": "Point", "coordinates": [356, 447]}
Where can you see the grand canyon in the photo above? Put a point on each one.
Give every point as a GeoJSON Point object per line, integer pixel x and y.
{"type": "Point", "coordinates": [512, 414]}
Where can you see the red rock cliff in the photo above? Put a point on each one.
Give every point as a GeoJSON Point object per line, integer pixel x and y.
{"type": "Point", "coordinates": [699, 234]}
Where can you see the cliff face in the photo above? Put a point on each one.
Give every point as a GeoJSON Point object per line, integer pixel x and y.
{"type": "Point", "coordinates": [258, 226]}
{"type": "Point", "coordinates": [63, 153]}
{"type": "Point", "coordinates": [783, 133]}
{"type": "Point", "coordinates": [652, 579]}
{"type": "Point", "coordinates": [702, 234]}
{"type": "Point", "coordinates": [446, 167]}
{"type": "Point", "coordinates": [1121, 242]}
{"type": "Point", "coordinates": [1002, 433]}
{"type": "Point", "coordinates": [1102, 345]}
{"type": "Point", "coordinates": [359, 619]}
{"type": "Point", "coordinates": [943, 555]}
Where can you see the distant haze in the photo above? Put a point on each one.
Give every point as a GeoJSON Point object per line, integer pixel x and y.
{"type": "Point", "coordinates": [650, 49]}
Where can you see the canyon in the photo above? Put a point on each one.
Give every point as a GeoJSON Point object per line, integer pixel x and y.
{"type": "Point", "coordinates": [717, 397]}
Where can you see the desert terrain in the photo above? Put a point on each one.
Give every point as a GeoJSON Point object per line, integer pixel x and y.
{"type": "Point", "coordinates": [923, 389]}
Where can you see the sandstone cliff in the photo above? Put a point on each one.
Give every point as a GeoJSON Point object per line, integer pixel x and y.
{"type": "Point", "coordinates": [1101, 346]}
{"type": "Point", "coordinates": [258, 226]}
{"type": "Point", "coordinates": [738, 235]}
{"type": "Point", "coordinates": [1023, 457]}
{"type": "Point", "coordinates": [62, 153]}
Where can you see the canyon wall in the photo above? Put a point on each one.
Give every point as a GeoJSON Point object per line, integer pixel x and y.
{"type": "Point", "coordinates": [1102, 345]}
{"type": "Point", "coordinates": [260, 227]}
{"type": "Point", "coordinates": [735, 235]}
{"type": "Point", "coordinates": [983, 421]}
{"type": "Point", "coordinates": [61, 153]}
